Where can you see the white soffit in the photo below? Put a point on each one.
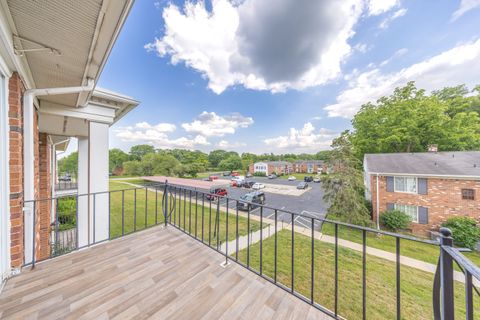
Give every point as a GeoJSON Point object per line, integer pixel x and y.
{"type": "Point", "coordinates": [122, 104]}
{"type": "Point", "coordinates": [80, 34]}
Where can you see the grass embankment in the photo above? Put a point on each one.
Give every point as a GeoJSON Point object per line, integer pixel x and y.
{"type": "Point", "coordinates": [413, 249]}
{"type": "Point", "coordinates": [299, 176]}
{"type": "Point", "coordinates": [416, 286]}
{"type": "Point", "coordinates": [187, 214]}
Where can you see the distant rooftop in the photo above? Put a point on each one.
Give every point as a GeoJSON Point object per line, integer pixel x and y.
{"type": "Point", "coordinates": [455, 163]}
{"type": "Point", "coordinates": [279, 163]}
{"type": "Point", "coordinates": [309, 162]}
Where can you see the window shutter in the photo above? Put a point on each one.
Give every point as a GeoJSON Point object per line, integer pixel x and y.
{"type": "Point", "coordinates": [390, 184]}
{"type": "Point", "coordinates": [422, 186]}
{"type": "Point", "coordinates": [422, 215]}
{"type": "Point", "coordinates": [390, 206]}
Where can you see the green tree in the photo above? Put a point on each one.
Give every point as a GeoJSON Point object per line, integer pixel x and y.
{"type": "Point", "coordinates": [139, 151]}
{"type": "Point", "coordinates": [132, 168]}
{"type": "Point", "coordinates": [68, 164]}
{"type": "Point", "coordinates": [344, 189]}
{"type": "Point", "coordinates": [233, 162]}
{"type": "Point", "coordinates": [116, 159]}
{"type": "Point", "coordinates": [216, 156]}
{"type": "Point", "coordinates": [409, 121]}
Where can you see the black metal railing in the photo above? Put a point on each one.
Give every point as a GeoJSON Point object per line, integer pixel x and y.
{"type": "Point", "coordinates": [266, 240]}
{"type": "Point", "coordinates": [443, 297]}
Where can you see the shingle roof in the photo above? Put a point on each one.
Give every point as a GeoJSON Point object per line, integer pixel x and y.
{"type": "Point", "coordinates": [317, 162]}
{"type": "Point", "coordinates": [455, 163]}
{"type": "Point", "coordinates": [277, 163]}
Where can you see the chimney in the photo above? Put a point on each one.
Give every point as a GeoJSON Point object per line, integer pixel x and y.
{"type": "Point", "coordinates": [433, 148]}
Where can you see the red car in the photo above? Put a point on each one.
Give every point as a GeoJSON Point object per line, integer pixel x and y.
{"type": "Point", "coordinates": [235, 174]}
{"type": "Point", "coordinates": [211, 178]}
{"type": "Point", "coordinates": [216, 191]}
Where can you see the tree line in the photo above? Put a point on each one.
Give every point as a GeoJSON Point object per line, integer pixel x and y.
{"type": "Point", "coordinates": [145, 160]}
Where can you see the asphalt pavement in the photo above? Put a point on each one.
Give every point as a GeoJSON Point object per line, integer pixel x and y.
{"type": "Point", "coordinates": [304, 206]}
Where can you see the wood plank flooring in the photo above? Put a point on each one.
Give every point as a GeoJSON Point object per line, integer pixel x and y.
{"type": "Point", "coordinates": [157, 273]}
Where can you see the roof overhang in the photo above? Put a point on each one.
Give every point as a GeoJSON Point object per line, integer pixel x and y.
{"type": "Point", "coordinates": [105, 106]}
{"type": "Point", "coordinates": [60, 43]}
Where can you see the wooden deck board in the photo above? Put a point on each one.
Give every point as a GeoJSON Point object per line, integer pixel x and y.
{"type": "Point", "coordinates": [157, 273]}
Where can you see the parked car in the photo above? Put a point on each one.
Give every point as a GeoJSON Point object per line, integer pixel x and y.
{"type": "Point", "coordinates": [308, 178]}
{"type": "Point", "coordinates": [239, 183]}
{"type": "Point", "coordinates": [227, 173]}
{"type": "Point", "coordinates": [272, 176]}
{"type": "Point", "coordinates": [248, 175]}
{"type": "Point", "coordinates": [292, 178]}
{"type": "Point", "coordinates": [220, 191]}
{"type": "Point", "coordinates": [248, 184]}
{"type": "Point", "coordinates": [302, 185]}
{"type": "Point", "coordinates": [235, 174]}
{"type": "Point", "coordinates": [212, 177]}
{"type": "Point", "coordinates": [253, 199]}
{"type": "Point", "coordinates": [316, 180]}
{"type": "Point", "coordinates": [66, 178]}
{"type": "Point", "coordinates": [258, 186]}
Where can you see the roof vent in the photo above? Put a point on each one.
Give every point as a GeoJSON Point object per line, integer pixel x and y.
{"type": "Point", "coordinates": [433, 148]}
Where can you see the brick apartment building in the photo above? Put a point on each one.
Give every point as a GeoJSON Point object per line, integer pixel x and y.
{"type": "Point", "coordinates": [309, 166]}
{"type": "Point", "coordinates": [430, 186]}
{"type": "Point", "coordinates": [271, 167]}
{"type": "Point", "coordinates": [47, 95]}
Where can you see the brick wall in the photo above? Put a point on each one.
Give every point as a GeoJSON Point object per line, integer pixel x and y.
{"type": "Point", "coordinates": [443, 200]}
{"type": "Point", "coordinates": [15, 115]}
{"type": "Point", "coordinates": [45, 192]}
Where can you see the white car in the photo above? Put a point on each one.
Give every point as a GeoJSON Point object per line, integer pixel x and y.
{"type": "Point", "coordinates": [258, 186]}
{"type": "Point", "coordinates": [292, 178]}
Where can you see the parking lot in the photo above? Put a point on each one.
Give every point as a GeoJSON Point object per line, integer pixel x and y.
{"type": "Point", "coordinates": [308, 203]}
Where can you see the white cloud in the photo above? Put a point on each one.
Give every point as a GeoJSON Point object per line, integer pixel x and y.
{"type": "Point", "coordinates": [361, 47]}
{"type": "Point", "coordinates": [304, 139]}
{"type": "Point", "coordinates": [398, 53]}
{"type": "Point", "coordinates": [377, 7]}
{"type": "Point", "coordinates": [465, 6]}
{"type": "Point", "coordinates": [452, 67]}
{"type": "Point", "coordinates": [156, 135]}
{"type": "Point", "coordinates": [397, 14]}
{"type": "Point", "coordinates": [161, 127]}
{"type": "Point", "coordinates": [224, 144]}
{"type": "Point", "coordinates": [316, 118]}
{"type": "Point", "coordinates": [210, 124]}
{"type": "Point", "coordinates": [263, 47]}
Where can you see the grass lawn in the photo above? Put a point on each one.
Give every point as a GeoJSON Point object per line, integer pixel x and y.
{"type": "Point", "coordinates": [412, 249]}
{"type": "Point", "coordinates": [416, 286]}
{"type": "Point", "coordinates": [186, 214]}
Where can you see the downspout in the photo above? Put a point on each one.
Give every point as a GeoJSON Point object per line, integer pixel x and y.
{"type": "Point", "coordinates": [378, 206]}
{"type": "Point", "coordinates": [29, 156]}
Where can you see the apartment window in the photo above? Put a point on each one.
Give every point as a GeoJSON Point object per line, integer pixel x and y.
{"type": "Point", "coordinates": [468, 194]}
{"type": "Point", "coordinates": [412, 211]}
{"type": "Point", "coordinates": [405, 184]}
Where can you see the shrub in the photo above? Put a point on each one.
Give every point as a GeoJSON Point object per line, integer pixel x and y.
{"type": "Point", "coordinates": [465, 231]}
{"type": "Point", "coordinates": [395, 220]}
{"type": "Point", "coordinates": [260, 174]}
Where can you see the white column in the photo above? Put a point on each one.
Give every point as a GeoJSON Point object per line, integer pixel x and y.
{"type": "Point", "coordinates": [99, 213]}
{"type": "Point", "coordinates": [93, 204]}
{"type": "Point", "coordinates": [82, 180]}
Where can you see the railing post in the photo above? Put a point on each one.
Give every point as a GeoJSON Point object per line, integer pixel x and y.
{"type": "Point", "coordinates": [446, 276]}
{"type": "Point", "coordinates": [165, 212]}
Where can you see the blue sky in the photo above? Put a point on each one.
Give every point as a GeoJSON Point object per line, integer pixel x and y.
{"type": "Point", "coordinates": [249, 77]}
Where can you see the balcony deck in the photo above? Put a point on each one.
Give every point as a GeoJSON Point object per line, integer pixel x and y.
{"type": "Point", "coordinates": [156, 273]}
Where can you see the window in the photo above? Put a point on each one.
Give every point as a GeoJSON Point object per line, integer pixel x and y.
{"type": "Point", "coordinates": [405, 184]}
{"type": "Point", "coordinates": [412, 211]}
{"type": "Point", "coordinates": [468, 194]}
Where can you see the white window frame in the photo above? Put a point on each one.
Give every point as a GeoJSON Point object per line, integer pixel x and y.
{"type": "Point", "coordinates": [5, 174]}
{"type": "Point", "coordinates": [403, 191]}
{"type": "Point", "coordinates": [398, 206]}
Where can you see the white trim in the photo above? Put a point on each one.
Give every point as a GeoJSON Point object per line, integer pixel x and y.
{"type": "Point", "coordinates": [427, 175]}
{"type": "Point", "coordinates": [5, 181]}
{"type": "Point", "coordinates": [411, 205]}
{"type": "Point", "coordinates": [402, 191]}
